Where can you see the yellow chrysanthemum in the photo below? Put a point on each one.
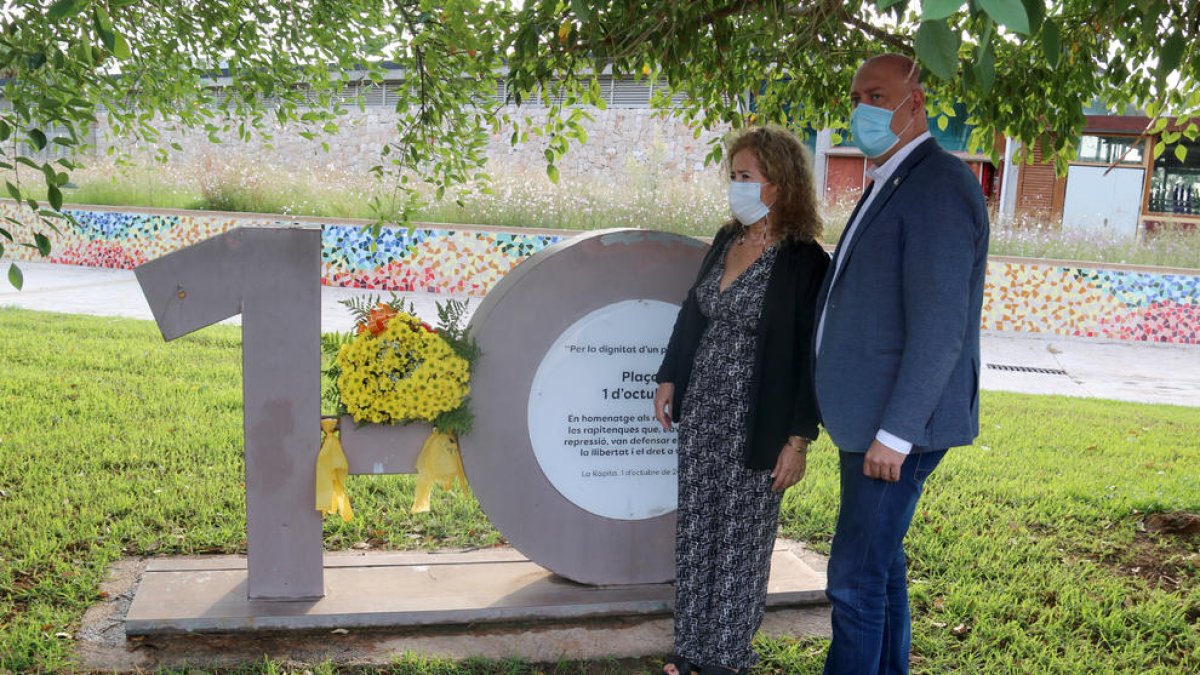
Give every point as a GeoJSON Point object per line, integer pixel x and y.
{"type": "Point", "coordinates": [401, 374]}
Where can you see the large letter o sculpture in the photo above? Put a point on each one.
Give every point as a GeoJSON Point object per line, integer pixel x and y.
{"type": "Point", "coordinates": [565, 457]}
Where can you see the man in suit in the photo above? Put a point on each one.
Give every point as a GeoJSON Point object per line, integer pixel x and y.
{"type": "Point", "coordinates": [897, 354]}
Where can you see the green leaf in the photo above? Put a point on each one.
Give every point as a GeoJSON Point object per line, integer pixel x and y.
{"type": "Point", "coordinates": [1036, 11]}
{"type": "Point", "coordinates": [582, 10]}
{"type": "Point", "coordinates": [104, 27]}
{"type": "Point", "coordinates": [55, 196]}
{"type": "Point", "coordinates": [985, 69]}
{"type": "Point", "coordinates": [936, 10]}
{"type": "Point", "coordinates": [15, 277]}
{"type": "Point", "coordinates": [38, 138]}
{"type": "Point", "coordinates": [1181, 153]}
{"type": "Point", "coordinates": [1171, 54]}
{"type": "Point", "coordinates": [937, 47]}
{"type": "Point", "coordinates": [1051, 43]}
{"type": "Point", "coordinates": [1159, 148]}
{"type": "Point", "coordinates": [121, 47]}
{"type": "Point", "coordinates": [884, 4]}
{"type": "Point", "coordinates": [552, 173]}
{"type": "Point", "coordinates": [43, 244]}
{"type": "Point", "coordinates": [13, 191]}
{"type": "Point", "coordinates": [943, 122]}
{"type": "Point", "coordinates": [62, 9]}
{"type": "Point", "coordinates": [1010, 13]}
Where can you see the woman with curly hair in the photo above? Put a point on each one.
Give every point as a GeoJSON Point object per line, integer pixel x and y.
{"type": "Point", "coordinates": [737, 378]}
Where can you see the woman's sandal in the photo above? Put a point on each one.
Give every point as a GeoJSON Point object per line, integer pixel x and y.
{"type": "Point", "coordinates": [682, 665]}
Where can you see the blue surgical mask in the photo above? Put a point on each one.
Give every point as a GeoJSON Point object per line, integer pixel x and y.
{"type": "Point", "coordinates": [871, 129]}
{"type": "Point", "coordinates": [745, 201]}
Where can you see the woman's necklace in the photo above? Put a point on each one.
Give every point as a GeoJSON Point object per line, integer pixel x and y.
{"type": "Point", "coordinates": [761, 239]}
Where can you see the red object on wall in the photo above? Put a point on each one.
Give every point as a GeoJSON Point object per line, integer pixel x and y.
{"type": "Point", "coordinates": [844, 177]}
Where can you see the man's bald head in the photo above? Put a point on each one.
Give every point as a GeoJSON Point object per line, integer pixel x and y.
{"type": "Point", "coordinates": [897, 67]}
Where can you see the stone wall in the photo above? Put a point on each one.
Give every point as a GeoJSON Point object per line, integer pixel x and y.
{"type": "Point", "coordinates": [618, 139]}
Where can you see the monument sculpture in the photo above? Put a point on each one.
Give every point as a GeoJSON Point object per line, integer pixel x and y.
{"type": "Point", "coordinates": [565, 457]}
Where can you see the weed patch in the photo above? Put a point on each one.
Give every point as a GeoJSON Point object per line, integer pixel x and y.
{"type": "Point", "coordinates": [1164, 553]}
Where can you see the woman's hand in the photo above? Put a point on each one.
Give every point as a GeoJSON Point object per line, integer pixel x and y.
{"type": "Point", "coordinates": [790, 466]}
{"type": "Point", "coordinates": [662, 404]}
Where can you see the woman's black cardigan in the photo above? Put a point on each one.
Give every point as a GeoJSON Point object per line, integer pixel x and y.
{"type": "Point", "coordinates": [782, 399]}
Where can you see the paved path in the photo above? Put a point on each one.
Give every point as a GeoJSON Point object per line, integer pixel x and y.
{"type": "Point", "coordinates": [1127, 371]}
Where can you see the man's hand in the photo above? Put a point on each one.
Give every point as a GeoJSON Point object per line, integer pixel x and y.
{"type": "Point", "coordinates": [789, 468]}
{"type": "Point", "coordinates": [883, 462]}
{"type": "Point", "coordinates": [662, 404]}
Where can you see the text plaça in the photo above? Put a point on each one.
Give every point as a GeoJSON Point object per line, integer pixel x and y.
{"type": "Point", "coordinates": [630, 376]}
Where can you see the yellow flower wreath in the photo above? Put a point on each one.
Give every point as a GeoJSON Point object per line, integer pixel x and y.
{"type": "Point", "coordinates": [405, 372]}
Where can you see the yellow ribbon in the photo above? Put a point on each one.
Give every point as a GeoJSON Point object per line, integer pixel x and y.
{"type": "Point", "coordinates": [332, 470]}
{"type": "Point", "coordinates": [440, 463]}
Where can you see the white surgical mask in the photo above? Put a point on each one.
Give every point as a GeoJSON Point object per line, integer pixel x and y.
{"type": "Point", "coordinates": [745, 201]}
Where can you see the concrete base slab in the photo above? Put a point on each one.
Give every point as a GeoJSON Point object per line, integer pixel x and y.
{"type": "Point", "coordinates": [208, 594]}
{"type": "Point", "coordinates": [605, 646]}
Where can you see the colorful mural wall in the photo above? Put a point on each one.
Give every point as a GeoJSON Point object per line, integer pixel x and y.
{"type": "Point", "coordinates": [1022, 295]}
{"type": "Point", "coordinates": [123, 240]}
{"type": "Point", "coordinates": [1118, 304]}
{"type": "Point", "coordinates": [429, 260]}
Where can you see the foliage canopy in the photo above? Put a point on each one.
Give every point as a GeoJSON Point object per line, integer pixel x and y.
{"type": "Point", "coordinates": [1024, 68]}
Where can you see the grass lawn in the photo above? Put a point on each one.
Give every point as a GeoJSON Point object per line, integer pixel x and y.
{"type": "Point", "coordinates": [1035, 551]}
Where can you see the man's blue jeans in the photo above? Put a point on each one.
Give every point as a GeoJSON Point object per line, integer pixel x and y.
{"type": "Point", "coordinates": [866, 578]}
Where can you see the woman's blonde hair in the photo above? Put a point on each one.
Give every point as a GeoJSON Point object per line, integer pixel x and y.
{"type": "Point", "coordinates": [788, 165]}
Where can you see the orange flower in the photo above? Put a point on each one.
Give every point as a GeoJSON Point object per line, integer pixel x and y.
{"type": "Point", "coordinates": [377, 320]}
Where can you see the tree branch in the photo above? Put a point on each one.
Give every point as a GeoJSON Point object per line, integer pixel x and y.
{"type": "Point", "coordinates": [875, 32]}
{"type": "Point", "coordinates": [422, 76]}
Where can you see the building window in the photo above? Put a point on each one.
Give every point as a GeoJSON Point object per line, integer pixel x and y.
{"type": "Point", "coordinates": [1175, 185]}
{"type": "Point", "coordinates": [1110, 150]}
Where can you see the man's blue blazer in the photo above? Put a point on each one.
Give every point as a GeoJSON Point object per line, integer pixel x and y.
{"type": "Point", "coordinates": [900, 346]}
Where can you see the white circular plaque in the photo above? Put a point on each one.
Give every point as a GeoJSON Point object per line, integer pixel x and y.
{"type": "Point", "coordinates": [591, 412]}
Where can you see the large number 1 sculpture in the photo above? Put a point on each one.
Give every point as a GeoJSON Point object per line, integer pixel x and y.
{"type": "Point", "coordinates": [271, 276]}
